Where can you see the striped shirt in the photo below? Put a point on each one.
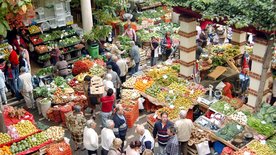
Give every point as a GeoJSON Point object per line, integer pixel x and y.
{"type": "Point", "coordinates": [161, 132]}
{"type": "Point", "coordinates": [120, 127]}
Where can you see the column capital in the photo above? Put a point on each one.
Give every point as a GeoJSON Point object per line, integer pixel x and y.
{"type": "Point", "coordinates": [186, 19]}
{"type": "Point", "coordinates": [237, 31]}
{"type": "Point", "coordinates": [261, 41]}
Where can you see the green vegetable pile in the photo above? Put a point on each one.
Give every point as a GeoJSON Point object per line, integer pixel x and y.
{"type": "Point", "coordinates": [230, 131]}
{"type": "Point", "coordinates": [223, 107]}
{"type": "Point", "coordinates": [45, 71]}
{"type": "Point", "coordinates": [41, 92]}
{"type": "Point", "coordinates": [166, 80]}
{"type": "Point", "coordinates": [153, 90]}
{"type": "Point", "coordinates": [59, 81]}
{"type": "Point", "coordinates": [271, 142]}
{"type": "Point", "coordinates": [261, 128]}
{"type": "Point", "coordinates": [267, 113]}
{"type": "Point", "coordinates": [152, 14]}
{"type": "Point", "coordinates": [44, 57]}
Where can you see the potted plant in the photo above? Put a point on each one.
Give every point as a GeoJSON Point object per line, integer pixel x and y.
{"type": "Point", "coordinates": [94, 37]}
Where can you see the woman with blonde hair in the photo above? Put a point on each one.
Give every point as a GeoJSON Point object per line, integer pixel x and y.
{"type": "Point", "coordinates": [147, 152]}
{"type": "Point", "coordinates": [116, 148]}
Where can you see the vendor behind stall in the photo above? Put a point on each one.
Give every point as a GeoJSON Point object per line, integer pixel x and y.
{"type": "Point", "coordinates": [166, 46]}
{"type": "Point", "coordinates": [130, 32]}
{"type": "Point", "coordinates": [62, 67]}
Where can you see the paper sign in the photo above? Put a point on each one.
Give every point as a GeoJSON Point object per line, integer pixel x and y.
{"type": "Point", "coordinates": [165, 76]}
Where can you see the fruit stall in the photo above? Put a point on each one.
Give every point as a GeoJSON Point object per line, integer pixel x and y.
{"type": "Point", "coordinates": [64, 38]}
{"type": "Point", "coordinates": [23, 136]}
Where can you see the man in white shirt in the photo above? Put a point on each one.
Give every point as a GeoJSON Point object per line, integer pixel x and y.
{"type": "Point", "coordinates": [122, 64]}
{"type": "Point", "coordinates": [107, 137]}
{"type": "Point", "coordinates": [90, 138]}
{"type": "Point", "coordinates": [146, 138]}
{"type": "Point", "coordinates": [184, 129]}
{"type": "Point", "coordinates": [26, 87]}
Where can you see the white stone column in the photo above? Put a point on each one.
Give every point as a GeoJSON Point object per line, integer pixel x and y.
{"type": "Point", "coordinates": [239, 38]}
{"type": "Point", "coordinates": [175, 17]}
{"type": "Point", "coordinates": [86, 13]}
{"type": "Point", "coordinates": [187, 46]}
{"type": "Point", "coordinates": [258, 61]}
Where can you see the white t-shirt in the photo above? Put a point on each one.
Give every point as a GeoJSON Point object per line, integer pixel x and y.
{"type": "Point", "coordinates": [90, 139]}
{"type": "Point", "coordinates": [107, 137]}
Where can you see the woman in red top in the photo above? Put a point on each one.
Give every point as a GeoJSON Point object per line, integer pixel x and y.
{"type": "Point", "coordinates": [107, 106]}
{"type": "Point", "coordinates": [17, 42]}
{"type": "Point", "coordinates": [166, 46]}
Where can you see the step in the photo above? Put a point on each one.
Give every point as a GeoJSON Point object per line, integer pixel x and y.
{"type": "Point", "coordinates": [16, 102]}
{"type": "Point", "coordinates": [12, 99]}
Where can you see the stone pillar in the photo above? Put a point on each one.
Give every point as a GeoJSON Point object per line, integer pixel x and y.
{"type": "Point", "coordinates": [260, 74]}
{"type": "Point", "coordinates": [239, 38]}
{"type": "Point", "coordinates": [187, 46]}
{"type": "Point", "coordinates": [175, 17]}
{"type": "Point", "coordinates": [86, 12]}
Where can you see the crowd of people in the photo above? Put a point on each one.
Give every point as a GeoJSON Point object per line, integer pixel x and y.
{"type": "Point", "coordinates": [172, 138]}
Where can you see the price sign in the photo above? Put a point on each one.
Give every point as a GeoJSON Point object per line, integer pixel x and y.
{"type": "Point", "coordinates": [165, 76]}
{"type": "Point", "coordinates": [145, 81]}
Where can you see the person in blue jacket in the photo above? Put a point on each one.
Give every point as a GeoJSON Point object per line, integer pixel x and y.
{"type": "Point", "coordinates": [120, 128]}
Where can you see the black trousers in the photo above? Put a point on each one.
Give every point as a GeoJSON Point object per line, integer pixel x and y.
{"type": "Point", "coordinates": [272, 100]}
{"type": "Point", "coordinates": [104, 152]}
{"type": "Point", "coordinates": [92, 152]}
{"type": "Point", "coordinates": [123, 78]}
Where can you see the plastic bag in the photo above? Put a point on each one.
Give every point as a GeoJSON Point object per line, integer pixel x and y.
{"type": "Point", "coordinates": [141, 100]}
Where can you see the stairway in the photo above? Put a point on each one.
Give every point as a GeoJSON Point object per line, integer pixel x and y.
{"type": "Point", "coordinates": [12, 101]}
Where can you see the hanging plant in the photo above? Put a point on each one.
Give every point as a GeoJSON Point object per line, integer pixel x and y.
{"type": "Point", "coordinates": [13, 13]}
{"type": "Point", "coordinates": [98, 32]}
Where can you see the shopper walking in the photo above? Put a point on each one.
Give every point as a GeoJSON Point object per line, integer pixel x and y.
{"type": "Point", "coordinates": [135, 56]}
{"type": "Point", "coordinates": [120, 128]}
{"type": "Point", "coordinates": [75, 122]}
{"type": "Point", "coordinates": [107, 137]}
{"type": "Point", "coordinates": [172, 147]}
{"type": "Point", "coordinates": [122, 64]}
{"type": "Point", "coordinates": [154, 51]}
{"type": "Point", "coordinates": [13, 58]}
{"type": "Point", "coordinates": [184, 127]}
{"type": "Point", "coordinates": [107, 105]}
{"type": "Point", "coordinates": [166, 46]}
{"type": "Point", "coordinates": [3, 98]}
{"type": "Point", "coordinates": [146, 138]}
{"type": "Point", "coordinates": [26, 55]}
{"type": "Point", "coordinates": [91, 99]}
{"type": "Point", "coordinates": [160, 132]}
{"type": "Point", "coordinates": [116, 147]}
{"type": "Point", "coordinates": [112, 63]}
{"type": "Point", "coordinates": [26, 87]}
{"type": "Point", "coordinates": [133, 148]}
{"type": "Point", "coordinates": [10, 78]}
{"type": "Point", "coordinates": [23, 62]}
{"type": "Point", "coordinates": [108, 83]}
{"type": "Point", "coordinates": [62, 67]}
{"type": "Point", "coordinates": [90, 138]}
{"type": "Point", "coordinates": [115, 79]}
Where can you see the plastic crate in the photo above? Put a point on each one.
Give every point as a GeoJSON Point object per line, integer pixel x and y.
{"type": "Point", "coordinates": [45, 26]}
{"type": "Point", "coordinates": [69, 20]}
{"type": "Point", "coordinates": [61, 22]}
{"type": "Point", "coordinates": [58, 6]}
{"type": "Point", "coordinates": [53, 23]}
{"type": "Point", "coordinates": [40, 12]}
{"type": "Point", "coordinates": [59, 12]}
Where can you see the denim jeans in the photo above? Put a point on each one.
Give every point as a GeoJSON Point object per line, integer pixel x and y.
{"type": "Point", "coordinates": [153, 61]}
{"type": "Point", "coordinates": [104, 117]}
{"type": "Point", "coordinates": [135, 68]}
{"type": "Point", "coordinates": [162, 150]}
